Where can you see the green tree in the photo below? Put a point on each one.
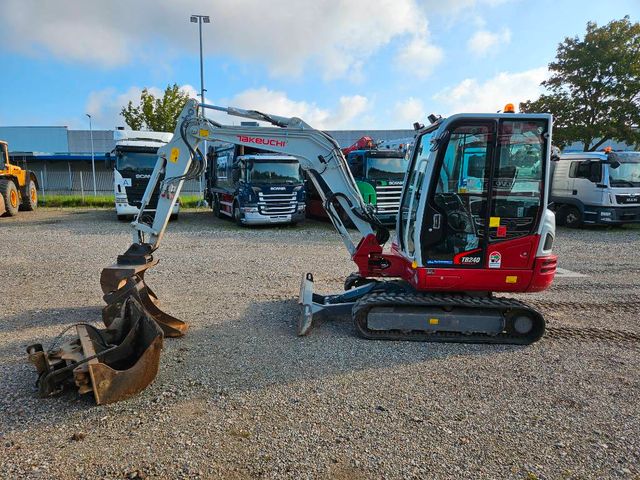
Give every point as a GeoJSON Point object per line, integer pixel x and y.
{"type": "Point", "coordinates": [157, 114]}
{"type": "Point", "coordinates": [594, 88]}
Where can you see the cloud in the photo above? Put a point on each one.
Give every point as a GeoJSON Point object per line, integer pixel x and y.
{"type": "Point", "coordinates": [419, 57]}
{"type": "Point", "coordinates": [105, 105]}
{"type": "Point", "coordinates": [344, 115]}
{"type": "Point", "coordinates": [408, 111]}
{"type": "Point", "coordinates": [287, 36]}
{"type": "Point", "coordinates": [473, 96]}
{"type": "Point", "coordinates": [484, 42]}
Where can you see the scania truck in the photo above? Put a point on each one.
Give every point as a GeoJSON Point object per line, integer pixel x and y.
{"type": "Point", "coordinates": [132, 161]}
{"type": "Point", "coordinates": [596, 188]}
{"type": "Point", "coordinates": [379, 174]}
{"type": "Point", "coordinates": [254, 187]}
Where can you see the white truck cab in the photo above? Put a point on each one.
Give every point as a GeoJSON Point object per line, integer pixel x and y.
{"type": "Point", "coordinates": [596, 188]}
{"type": "Point", "coordinates": [132, 161]}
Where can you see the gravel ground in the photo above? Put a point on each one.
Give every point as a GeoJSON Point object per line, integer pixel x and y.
{"type": "Point", "coordinates": [240, 396]}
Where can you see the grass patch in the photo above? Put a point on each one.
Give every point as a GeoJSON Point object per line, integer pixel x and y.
{"type": "Point", "coordinates": [100, 201]}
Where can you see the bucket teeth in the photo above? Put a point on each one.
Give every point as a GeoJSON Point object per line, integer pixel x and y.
{"type": "Point", "coordinates": [114, 363]}
{"type": "Point", "coordinates": [120, 282]}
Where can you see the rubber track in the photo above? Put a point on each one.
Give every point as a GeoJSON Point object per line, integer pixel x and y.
{"type": "Point", "coordinates": [506, 305]}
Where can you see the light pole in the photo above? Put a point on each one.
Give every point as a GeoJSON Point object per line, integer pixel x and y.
{"type": "Point", "coordinates": [200, 19]}
{"type": "Point", "coordinates": [93, 159]}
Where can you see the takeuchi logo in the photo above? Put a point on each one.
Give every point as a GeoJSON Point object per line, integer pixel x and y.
{"type": "Point", "coordinates": [272, 142]}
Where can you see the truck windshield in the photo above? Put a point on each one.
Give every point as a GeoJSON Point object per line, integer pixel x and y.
{"type": "Point", "coordinates": [136, 160]}
{"type": "Point", "coordinates": [275, 172]}
{"type": "Point", "coordinates": [386, 168]}
{"type": "Point", "coordinates": [626, 175]}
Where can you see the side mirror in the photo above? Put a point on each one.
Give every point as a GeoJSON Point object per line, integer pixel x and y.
{"type": "Point", "coordinates": [614, 164]}
{"type": "Point", "coordinates": [108, 161]}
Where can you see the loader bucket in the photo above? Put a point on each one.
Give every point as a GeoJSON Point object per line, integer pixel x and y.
{"type": "Point", "coordinates": [114, 363]}
{"type": "Point", "coordinates": [120, 282]}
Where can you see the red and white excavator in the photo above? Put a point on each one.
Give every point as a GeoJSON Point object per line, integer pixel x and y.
{"type": "Point", "coordinates": [473, 221]}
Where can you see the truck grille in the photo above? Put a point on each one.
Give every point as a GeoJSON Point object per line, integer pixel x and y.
{"type": "Point", "coordinates": [136, 191]}
{"type": "Point", "coordinates": [277, 203]}
{"type": "Point", "coordinates": [388, 198]}
{"type": "Point", "coordinates": [628, 199]}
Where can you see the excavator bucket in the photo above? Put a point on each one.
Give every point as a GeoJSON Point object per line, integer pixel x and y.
{"type": "Point", "coordinates": [120, 282]}
{"type": "Point", "coordinates": [115, 363]}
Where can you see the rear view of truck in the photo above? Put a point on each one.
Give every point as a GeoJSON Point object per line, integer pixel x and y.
{"type": "Point", "coordinates": [253, 187]}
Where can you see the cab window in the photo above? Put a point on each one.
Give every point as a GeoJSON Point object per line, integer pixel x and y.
{"type": "Point", "coordinates": [586, 169]}
{"type": "Point", "coordinates": [518, 179]}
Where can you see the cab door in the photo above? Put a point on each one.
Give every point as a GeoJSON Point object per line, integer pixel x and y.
{"type": "Point", "coordinates": [454, 223]}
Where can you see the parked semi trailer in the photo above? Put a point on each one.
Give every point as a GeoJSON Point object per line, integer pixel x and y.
{"type": "Point", "coordinates": [254, 187]}
{"type": "Point", "coordinates": [132, 161]}
{"type": "Point", "coordinates": [596, 188]}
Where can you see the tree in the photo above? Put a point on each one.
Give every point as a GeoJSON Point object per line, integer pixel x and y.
{"type": "Point", "coordinates": [156, 114]}
{"type": "Point", "coordinates": [594, 88]}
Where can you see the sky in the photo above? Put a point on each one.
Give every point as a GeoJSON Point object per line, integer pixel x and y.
{"type": "Point", "coordinates": [337, 64]}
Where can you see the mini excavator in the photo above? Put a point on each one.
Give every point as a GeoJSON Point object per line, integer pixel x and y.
{"type": "Point", "coordinates": [473, 221]}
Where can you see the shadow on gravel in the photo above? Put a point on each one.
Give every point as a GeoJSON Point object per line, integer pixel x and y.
{"type": "Point", "coordinates": [262, 349]}
{"type": "Point", "coordinates": [45, 318]}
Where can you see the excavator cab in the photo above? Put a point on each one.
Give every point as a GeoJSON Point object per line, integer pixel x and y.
{"type": "Point", "coordinates": [471, 203]}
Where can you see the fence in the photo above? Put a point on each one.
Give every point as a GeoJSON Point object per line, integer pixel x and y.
{"type": "Point", "coordinates": [78, 180]}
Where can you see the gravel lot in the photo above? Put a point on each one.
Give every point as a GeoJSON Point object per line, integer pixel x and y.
{"type": "Point", "coordinates": [240, 396]}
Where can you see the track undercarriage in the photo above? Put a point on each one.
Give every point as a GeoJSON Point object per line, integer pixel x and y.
{"type": "Point", "coordinates": [393, 310]}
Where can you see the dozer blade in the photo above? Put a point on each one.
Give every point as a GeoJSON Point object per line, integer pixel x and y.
{"type": "Point", "coordinates": [115, 363]}
{"type": "Point", "coordinates": [314, 306]}
{"type": "Point", "coordinates": [120, 282]}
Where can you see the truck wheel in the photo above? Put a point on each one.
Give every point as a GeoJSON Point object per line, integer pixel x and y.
{"type": "Point", "coordinates": [9, 192]}
{"type": "Point", "coordinates": [237, 216]}
{"type": "Point", "coordinates": [216, 206]}
{"type": "Point", "coordinates": [30, 197]}
{"type": "Point", "coordinates": [123, 218]}
{"type": "Point", "coordinates": [572, 217]}
{"type": "Point", "coordinates": [173, 218]}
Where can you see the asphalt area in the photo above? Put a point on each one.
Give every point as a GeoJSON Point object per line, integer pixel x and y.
{"type": "Point", "coordinates": [241, 396]}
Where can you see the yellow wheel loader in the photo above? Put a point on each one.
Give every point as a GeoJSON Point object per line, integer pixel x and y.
{"type": "Point", "coordinates": [18, 187]}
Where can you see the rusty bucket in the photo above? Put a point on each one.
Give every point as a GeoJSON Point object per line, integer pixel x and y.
{"type": "Point", "coordinates": [120, 282]}
{"type": "Point", "coordinates": [114, 363]}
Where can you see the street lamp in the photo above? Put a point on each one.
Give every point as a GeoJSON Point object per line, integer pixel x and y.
{"type": "Point", "coordinates": [93, 159]}
{"type": "Point", "coordinates": [200, 19]}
